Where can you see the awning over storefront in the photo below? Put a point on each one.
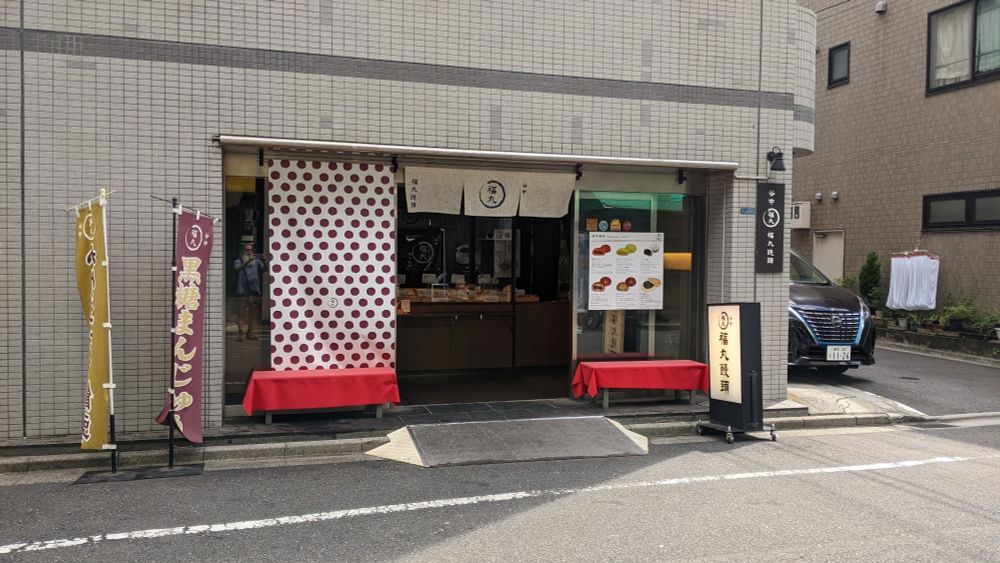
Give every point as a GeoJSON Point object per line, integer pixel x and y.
{"type": "Point", "coordinates": [443, 156]}
{"type": "Point", "coordinates": [477, 182]}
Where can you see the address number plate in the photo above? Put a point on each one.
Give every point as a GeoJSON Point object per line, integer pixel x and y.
{"type": "Point", "coordinates": [838, 353]}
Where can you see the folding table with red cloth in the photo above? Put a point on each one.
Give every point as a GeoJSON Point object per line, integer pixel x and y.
{"type": "Point", "coordinates": [271, 391]}
{"type": "Point", "coordinates": [682, 375]}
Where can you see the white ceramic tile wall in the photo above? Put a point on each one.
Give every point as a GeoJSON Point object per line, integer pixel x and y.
{"type": "Point", "coordinates": [142, 122]}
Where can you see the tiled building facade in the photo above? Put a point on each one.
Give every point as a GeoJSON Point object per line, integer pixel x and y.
{"type": "Point", "coordinates": [884, 142]}
{"type": "Point", "coordinates": [129, 97]}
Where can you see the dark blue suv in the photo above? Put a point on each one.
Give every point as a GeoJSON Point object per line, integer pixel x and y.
{"type": "Point", "coordinates": [829, 326]}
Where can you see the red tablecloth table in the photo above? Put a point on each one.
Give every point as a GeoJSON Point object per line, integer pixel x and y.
{"type": "Point", "coordinates": [642, 374]}
{"type": "Point", "coordinates": [319, 389]}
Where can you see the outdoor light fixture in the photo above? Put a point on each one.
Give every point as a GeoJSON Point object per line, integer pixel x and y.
{"type": "Point", "coordinates": [776, 158]}
{"type": "Point", "coordinates": [819, 196]}
{"type": "Point", "coordinates": [834, 196]}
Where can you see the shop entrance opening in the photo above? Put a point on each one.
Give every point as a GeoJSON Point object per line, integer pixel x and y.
{"type": "Point", "coordinates": [484, 307]}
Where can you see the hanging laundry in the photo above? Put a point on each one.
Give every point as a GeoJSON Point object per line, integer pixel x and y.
{"type": "Point", "coordinates": [899, 282]}
{"type": "Point", "coordinates": [913, 281]}
{"type": "Point", "coordinates": [924, 294]}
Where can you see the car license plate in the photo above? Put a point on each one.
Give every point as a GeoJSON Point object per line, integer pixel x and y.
{"type": "Point", "coordinates": [838, 353]}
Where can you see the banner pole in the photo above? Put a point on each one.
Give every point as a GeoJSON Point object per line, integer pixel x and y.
{"type": "Point", "coordinates": [173, 331]}
{"type": "Point", "coordinates": [113, 446]}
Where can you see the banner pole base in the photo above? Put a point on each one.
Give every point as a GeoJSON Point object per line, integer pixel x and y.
{"type": "Point", "coordinates": [114, 443]}
{"type": "Point", "coordinates": [170, 447]}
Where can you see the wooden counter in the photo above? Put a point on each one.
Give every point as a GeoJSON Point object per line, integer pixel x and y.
{"type": "Point", "coordinates": [455, 336]}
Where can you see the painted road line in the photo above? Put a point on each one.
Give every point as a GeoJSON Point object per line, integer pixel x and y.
{"type": "Point", "coordinates": [886, 403]}
{"type": "Point", "coordinates": [192, 530]}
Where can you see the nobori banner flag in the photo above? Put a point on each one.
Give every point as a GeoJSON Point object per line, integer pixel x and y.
{"type": "Point", "coordinates": [192, 251]}
{"type": "Point", "coordinates": [92, 281]}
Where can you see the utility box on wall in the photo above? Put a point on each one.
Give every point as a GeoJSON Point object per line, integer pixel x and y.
{"type": "Point", "coordinates": [800, 215]}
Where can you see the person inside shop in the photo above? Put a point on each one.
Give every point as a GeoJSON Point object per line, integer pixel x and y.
{"type": "Point", "coordinates": [249, 270]}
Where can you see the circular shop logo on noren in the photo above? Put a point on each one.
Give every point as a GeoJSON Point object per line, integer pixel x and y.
{"type": "Point", "coordinates": [194, 238]}
{"type": "Point", "coordinates": [771, 218]}
{"type": "Point", "coordinates": [724, 320]}
{"type": "Point", "coordinates": [492, 194]}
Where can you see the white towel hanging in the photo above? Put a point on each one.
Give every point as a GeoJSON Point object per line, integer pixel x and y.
{"type": "Point", "coordinates": [913, 281]}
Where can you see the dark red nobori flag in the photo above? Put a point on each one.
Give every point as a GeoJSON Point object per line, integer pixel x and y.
{"type": "Point", "coordinates": [193, 247]}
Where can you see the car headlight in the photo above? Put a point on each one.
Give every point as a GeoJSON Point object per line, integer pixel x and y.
{"type": "Point", "coordinates": [865, 311]}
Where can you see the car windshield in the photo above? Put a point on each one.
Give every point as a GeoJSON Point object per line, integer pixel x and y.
{"type": "Point", "coordinates": [804, 272]}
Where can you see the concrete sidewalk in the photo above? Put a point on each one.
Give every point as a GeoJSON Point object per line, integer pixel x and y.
{"type": "Point", "coordinates": [306, 438]}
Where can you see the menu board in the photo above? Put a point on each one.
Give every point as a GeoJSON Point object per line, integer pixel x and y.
{"type": "Point", "coordinates": [626, 271]}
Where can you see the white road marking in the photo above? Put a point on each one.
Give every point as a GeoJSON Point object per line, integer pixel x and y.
{"type": "Point", "coordinates": [461, 501]}
{"type": "Point", "coordinates": [886, 401]}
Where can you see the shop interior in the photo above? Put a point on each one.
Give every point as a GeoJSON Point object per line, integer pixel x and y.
{"type": "Point", "coordinates": [486, 305]}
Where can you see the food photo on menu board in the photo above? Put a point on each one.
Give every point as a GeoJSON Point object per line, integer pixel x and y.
{"type": "Point", "coordinates": [626, 271]}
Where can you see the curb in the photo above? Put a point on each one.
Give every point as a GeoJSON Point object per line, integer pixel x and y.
{"type": "Point", "coordinates": [207, 454]}
{"type": "Point", "coordinates": [894, 346]}
{"type": "Point", "coordinates": [962, 416]}
{"type": "Point", "coordinates": [353, 446]}
{"type": "Point", "coordinates": [687, 428]}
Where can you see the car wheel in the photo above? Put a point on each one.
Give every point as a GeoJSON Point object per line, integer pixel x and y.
{"type": "Point", "coordinates": [832, 370]}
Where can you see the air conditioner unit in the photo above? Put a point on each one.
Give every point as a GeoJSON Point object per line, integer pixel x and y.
{"type": "Point", "coordinates": [800, 216]}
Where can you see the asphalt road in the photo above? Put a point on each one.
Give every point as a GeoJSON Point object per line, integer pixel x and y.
{"type": "Point", "coordinates": [873, 494]}
{"type": "Point", "coordinates": [934, 386]}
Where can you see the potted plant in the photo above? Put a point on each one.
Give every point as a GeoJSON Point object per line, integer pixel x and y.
{"type": "Point", "coordinates": [930, 323]}
{"type": "Point", "coordinates": [916, 320]}
{"type": "Point", "coordinates": [876, 300]}
{"type": "Point", "coordinates": [902, 321]}
{"type": "Point", "coordinates": [987, 325]}
{"type": "Point", "coordinates": [954, 316]}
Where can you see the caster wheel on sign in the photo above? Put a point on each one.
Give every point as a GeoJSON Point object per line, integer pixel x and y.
{"type": "Point", "coordinates": [774, 436]}
{"type": "Point", "coordinates": [700, 430]}
{"type": "Point", "coordinates": [729, 439]}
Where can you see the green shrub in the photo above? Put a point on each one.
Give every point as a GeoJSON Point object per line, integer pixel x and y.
{"type": "Point", "coordinates": [876, 298]}
{"type": "Point", "coordinates": [870, 276]}
{"type": "Point", "coordinates": [846, 281]}
{"type": "Point", "coordinates": [963, 310]}
{"type": "Point", "coordinates": [921, 317]}
{"type": "Point", "coordinates": [985, 323]}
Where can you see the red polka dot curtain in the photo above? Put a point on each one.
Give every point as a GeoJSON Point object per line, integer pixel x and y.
{"type": "Point", "coordinates": [332, 261]}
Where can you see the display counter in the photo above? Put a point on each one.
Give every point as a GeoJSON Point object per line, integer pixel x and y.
{"type": "Point", "coordinates": [472, 335]}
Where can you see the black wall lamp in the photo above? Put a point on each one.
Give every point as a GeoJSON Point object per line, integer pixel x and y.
{"type": "Point", "coordinates": [776, 160]}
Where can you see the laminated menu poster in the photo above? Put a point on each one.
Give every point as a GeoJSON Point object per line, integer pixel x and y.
{"type": "Point", "coordinates": [626, 271]}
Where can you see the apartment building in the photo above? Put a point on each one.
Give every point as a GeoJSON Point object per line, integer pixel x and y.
{"type": "Point", "coordinates": [907, 143]}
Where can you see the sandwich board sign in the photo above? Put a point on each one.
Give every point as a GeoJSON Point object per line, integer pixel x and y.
{"type": "Point", "coordinates": [735, 375]}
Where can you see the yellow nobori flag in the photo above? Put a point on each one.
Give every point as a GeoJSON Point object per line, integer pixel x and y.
{"type": "Point", "coordinates": [92, 280]}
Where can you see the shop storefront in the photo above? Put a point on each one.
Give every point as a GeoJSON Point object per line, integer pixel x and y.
{"type": "Point", "coordinates": [631, 121]}
{"type": "Point", "coordinates": [477, 278]}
